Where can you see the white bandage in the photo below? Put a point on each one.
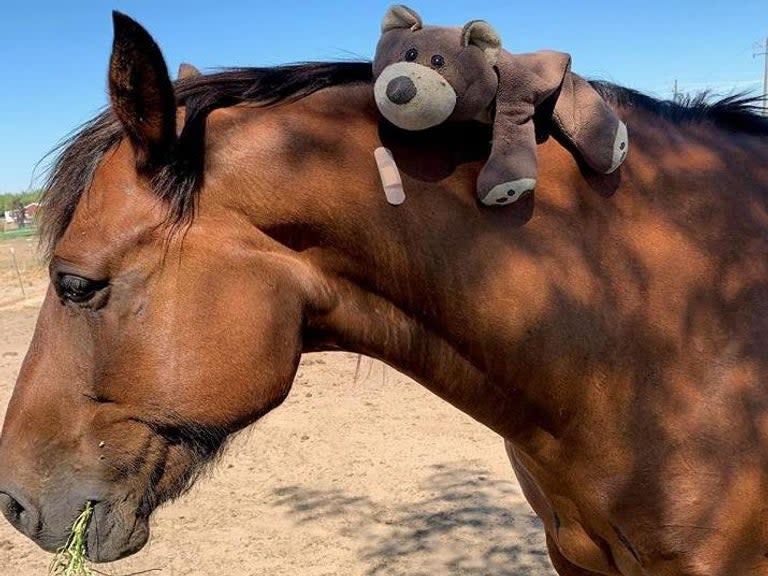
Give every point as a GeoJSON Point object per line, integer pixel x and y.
{"type": "Point", "coordinates": [390, 176]}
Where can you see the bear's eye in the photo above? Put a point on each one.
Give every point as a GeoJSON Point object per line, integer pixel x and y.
{"type": "Point", "coordinates": [437, 61]}
{"type": "Point", "coordinates": [411, 55]}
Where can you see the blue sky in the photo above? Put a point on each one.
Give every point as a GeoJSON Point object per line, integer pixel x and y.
{"type": "Point", "coordinates": [53, 54]}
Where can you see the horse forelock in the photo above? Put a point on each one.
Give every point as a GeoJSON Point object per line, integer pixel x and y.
{"type": "Point", "coordinates": [71, 173]}
{"type": "Point", "coordinates": [178, 182]}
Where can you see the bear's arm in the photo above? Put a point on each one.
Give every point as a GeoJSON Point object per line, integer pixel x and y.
{"type": "Point", "coordinates": [524, 82]}
{"type": "Point", "coordinates": [580, 114]}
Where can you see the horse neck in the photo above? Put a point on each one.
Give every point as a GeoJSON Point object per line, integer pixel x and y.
{"type": "Point", "coordinates": [486, 307]}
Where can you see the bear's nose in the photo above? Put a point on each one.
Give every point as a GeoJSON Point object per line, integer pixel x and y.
{"type": "Point", "coordinates": [401, 90]}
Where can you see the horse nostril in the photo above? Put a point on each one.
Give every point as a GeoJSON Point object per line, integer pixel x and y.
{"type": "Point", "coordinates": [23, 519]}
{"type": "Point", "coordinates": [401, 90]}
{"type": "Point", "coordinates": [11, 508]}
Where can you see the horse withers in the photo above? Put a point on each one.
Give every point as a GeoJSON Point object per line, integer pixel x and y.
{"type": "Point", "coordinates": [611, 329]}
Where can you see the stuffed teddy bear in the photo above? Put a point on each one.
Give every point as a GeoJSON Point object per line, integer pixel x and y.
{"type": "Point", "coordinates": [427, 75]}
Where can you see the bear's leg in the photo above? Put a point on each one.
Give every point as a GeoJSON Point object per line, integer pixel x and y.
{"type": "Point", "coordinates": [510, 171]}
{"type": "Point", "coordinates": [593, 128]}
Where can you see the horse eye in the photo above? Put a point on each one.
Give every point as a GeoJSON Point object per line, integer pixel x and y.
{"type": "Point", "coordinates": [437, 60]}
{"type": "Point", "coordinates": [411, 55]}
{"type": "Point", "coordinates": [76, 288]}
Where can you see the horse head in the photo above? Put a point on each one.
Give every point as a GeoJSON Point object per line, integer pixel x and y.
{"type": "Point", "coordinates": [102, 413]}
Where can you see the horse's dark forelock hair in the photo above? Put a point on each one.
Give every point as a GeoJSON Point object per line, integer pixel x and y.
{"type": "Point", "coordinates": [178, 182]}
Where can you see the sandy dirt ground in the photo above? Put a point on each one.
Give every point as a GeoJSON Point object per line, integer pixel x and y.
{"type": "Point", "coordinates": [371, 476]}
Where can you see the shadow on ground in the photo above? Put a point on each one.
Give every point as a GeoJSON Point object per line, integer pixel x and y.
{"type": "Point", "coordinates": [457, 504]}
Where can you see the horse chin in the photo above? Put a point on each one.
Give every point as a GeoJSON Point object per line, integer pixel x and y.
{"type": "Point", "coordinates": [114, 534]}
{"type": "Point", "coordinates": [121, 529]}
{"type": "Point", "coordinates": [118, 530]}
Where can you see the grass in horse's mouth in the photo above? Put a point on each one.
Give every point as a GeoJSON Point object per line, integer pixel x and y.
{"type": "Point", "coordinates": [70, 559]}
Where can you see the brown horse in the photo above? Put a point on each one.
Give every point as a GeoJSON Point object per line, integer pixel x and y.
{"type": "Point", "coordinates": [611, 329]}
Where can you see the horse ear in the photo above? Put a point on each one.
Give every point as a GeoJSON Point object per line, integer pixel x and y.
{"type": "Point", "coordinates": [187, 71]}
{"type": "Point", "coordinates": [399, 16]}
{"type": "Point", "coordinates": [141, 93]}
{"type": "Point", "coordinates": [481, 34]}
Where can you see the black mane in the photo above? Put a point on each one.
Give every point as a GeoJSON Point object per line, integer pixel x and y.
{"type": "Point", "coordinates": [735, 113]}
{"type": "Point", "coordinates": [178, 183]}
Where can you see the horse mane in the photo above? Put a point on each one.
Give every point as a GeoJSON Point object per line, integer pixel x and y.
{"type": "Point", "coordinates": [178, 182]}
{"type": "Point", "coordinates": [78, 155]}
{"type": "Point", "coordinates": [734, 113]}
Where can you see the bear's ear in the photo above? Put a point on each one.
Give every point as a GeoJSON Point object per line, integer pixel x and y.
{"type": "Point", "coordinates": [481, 34]}
{"type": "Point", "coordinates": [399, 16]}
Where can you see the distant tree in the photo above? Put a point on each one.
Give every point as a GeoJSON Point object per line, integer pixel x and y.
{"type": "Point", "coordinates": [19, 213]}
{"type": "Point", "coordinates": [9, 200]}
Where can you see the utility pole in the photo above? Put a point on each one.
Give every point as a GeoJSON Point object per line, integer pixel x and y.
{"type": "Point", "coordinates": [674, 97]}
{"type": "Point", "coordinates": [764, 54]}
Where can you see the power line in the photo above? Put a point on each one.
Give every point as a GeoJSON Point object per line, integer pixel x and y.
{"type": "Point", "coordinates": [764, 54]}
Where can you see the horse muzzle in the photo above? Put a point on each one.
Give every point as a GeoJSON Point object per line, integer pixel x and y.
{"type": "Point", "coordinates": [113, 532]}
